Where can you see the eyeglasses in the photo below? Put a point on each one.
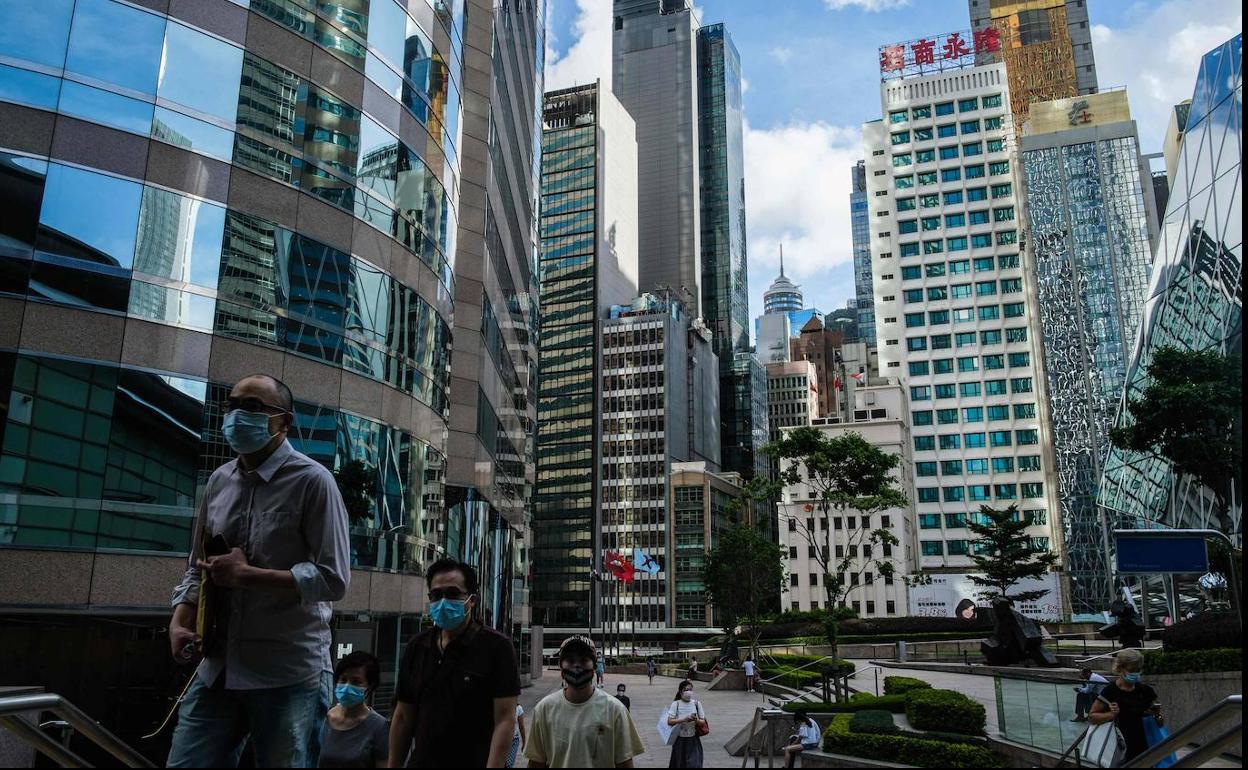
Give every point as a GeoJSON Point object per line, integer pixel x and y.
{"type": "Point", "coordinates": [251, 404]}
{"type": "Point", "coordinates": [454, 594]}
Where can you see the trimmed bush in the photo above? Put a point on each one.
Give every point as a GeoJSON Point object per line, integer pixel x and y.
{"type": "Point", "coordinates": [810, 624]}
{"type": "Point", "coordinates": [895, 704]}
{"type": "Point", "coordinates": [839, 738]}
{"type": "Point", "coordinates": [1193, 661]}
{"type": "Point", "coordinates": [873, 721]}
{"type": "Point", "coordinates": [944, 710]}
{"type": "Point", "coordinates": [1206, 631]}
{"type": "Point", "coordinates": [899, 685]}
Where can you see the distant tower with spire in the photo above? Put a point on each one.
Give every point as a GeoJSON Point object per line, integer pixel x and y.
{"type": "Point", "coordinates": [783, 296]}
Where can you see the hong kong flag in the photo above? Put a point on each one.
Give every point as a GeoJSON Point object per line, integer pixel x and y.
{"type": "Point", "coordinates": [618, 564]}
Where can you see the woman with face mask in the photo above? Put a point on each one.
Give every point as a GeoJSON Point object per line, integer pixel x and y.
{"type": "Point", "coordinates": [1128, 701]}
{"type": "Point", "coordinates": [355, 735]}
{"type": "Point", "coordinates": [683, 716]}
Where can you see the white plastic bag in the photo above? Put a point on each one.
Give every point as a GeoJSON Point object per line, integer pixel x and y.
{"type": "Point", "coordinates": [1102, 746]}
{"type": "Point", "coordinates": [666, 731]}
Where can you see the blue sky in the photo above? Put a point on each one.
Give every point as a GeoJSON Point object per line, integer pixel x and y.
{"type": "Point", "coordinates": [811, 75]}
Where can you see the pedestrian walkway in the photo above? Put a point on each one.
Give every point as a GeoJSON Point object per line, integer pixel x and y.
{"type": "Point", "coordinates": [726, 710]}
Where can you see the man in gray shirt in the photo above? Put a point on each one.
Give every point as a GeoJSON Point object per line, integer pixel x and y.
{"type": "Point", "coordinates": [285, 559]}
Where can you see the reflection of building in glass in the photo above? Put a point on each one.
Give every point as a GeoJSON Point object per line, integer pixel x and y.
{"type": "Point", "coordinates": [1046, 46]}
{"type": "Point", "coordinates": [588, 261]}
{"type": "Point", "coordinates": [956, 316]}
{"type": "Point", "coordinates": [1195, 298]}
{"type": "Point", "coordinates": [860, 226]}
{"type": "Point", "coordinates": [1090, 207]}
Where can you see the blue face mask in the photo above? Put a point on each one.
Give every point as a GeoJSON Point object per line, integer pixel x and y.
{"type": "Point", "coordinates": [1131, 677]}
{"type": "Point", "coordinates": [448, 614]}
{"type": "Point", "coordinates": [349, 695]}
{"type": "Point", "coordinates": [246, 432]}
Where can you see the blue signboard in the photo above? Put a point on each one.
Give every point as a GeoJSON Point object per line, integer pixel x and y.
{"type": "Point", "coordinates": [1150, 552]}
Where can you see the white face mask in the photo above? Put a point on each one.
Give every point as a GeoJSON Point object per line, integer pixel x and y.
{"type": "Point", "coordinates": [686, 696]}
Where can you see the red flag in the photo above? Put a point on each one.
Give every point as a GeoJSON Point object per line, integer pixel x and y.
{"type": "Point", "coordinates": [836, 384]}
{"type": "Point", "coordinates": [618, 564]}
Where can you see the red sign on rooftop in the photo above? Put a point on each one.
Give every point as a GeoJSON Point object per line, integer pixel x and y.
{"type": "Point", "coordinates": [953, 50]}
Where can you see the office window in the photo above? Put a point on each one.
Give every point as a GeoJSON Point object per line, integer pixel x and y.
{"type": "Point", "coordinates": [1032, 489]}
{"type": "Point", "coordinates": [1000, 438]}
{"type": "Point", "coordinates": [1024, 411]}
{"type": "Point", "coordinates": [977, 466]}
{"type": "Point", "coordinates": [1003, 465]}
{"type": "Point", "coordinates": [912, 295]}
{"type": "Point", "coordinates": [945, 390]}
{"type": "Point", "coordinates": [920, 393]}
{"type": "Point", "coordinates": [951, 174]}
{"type": "Point", "coordinates": [907, 226]}
{"type": "Point", "coordinates": [995, 388]}
{"type": "Point", "coordinates": [967, 105]}
{"type": "Point", "coordinates": [961, 290]}
{"type": "Point", "coordinates": [959, 267]}
{"type": "Point", "coordinates": [989, 313]}
{"type": "Point", "coordinates": [998, 412]}
{"type": "Point", "coordinates": [992, 100]}
{"type": "Point", "coordinates": [905, 204]}
{"type": "Point", "coordinates": [921, 417]}
{"type": "Point", "coordinates": [897, 116]}
{"type": "Point", "coordinates": [947, 416]}
{"type": "Point", "coordinates": [793, 578]}
{"type": "Point", "coordinates": [914, 320]}
{"type": "Point", "coordinates": [1028, 463]}
{"type": "Point", "coordinates": [992, 337]}
{"type": "Point", "coordinates": [1003, 190]}
{"type": "Point", "coordinates": [984, 263]}
{"type": "Point", "coordinates": [934, 247]}
{"type": "Point", "coordinates": [942, 366]}
{"type": "Point", "coordinates": [929, 520]}
{"type": "Point", "coordinates": [996, 145]}
{"type": "Point", "coordinates": [924, 443]}
{"type": "Point", "coordinates": [940, 342]}
{"type": "Point", "coordinates": [923, 134]}
{"type": "Point", "coordinates": [957, 547]}
{"type": "Point", "coordinates": [965, 339]}
{"type": "Point", "coordinates": [1020, 359]}
{"type": "Point", "coordinates": [929, 495]}
{"type": "Point", "coordinates": [955, 220]}
{"type": "Point", "coordinates": [926, 178]}
{"type": "Point", "coordinates": [938, 317]}
{"type": "Point", "coordinates": [957, 244]}
{"type": "Point", "coordinates": [1011, 285]}
{"type": "Point", "coordinates": [932, 547]}
{"type": "Point", "coordinates": [1003, 214]}
{"type": "Point", "coordinates": [944, 108]}
{"type": "Point", "coordinates": [979, 217]}
{"type": "Point", "coordinates": [925, 156]}
{"type": "Point", "coordinates": [953, 197]}
{"type": "Point", "coordinates": [970, 127]}
{"type": "Point", "coordinates": [1020, 385]}
{"type": "Point", "coordinates": [979, 492]}
{"type": "Point", "coordinates": [901, 137]}
{"type": "Point", "coordinates": [986, 288]}
{"type": "Point", "coordinates": [916, 343]}
{"type": "Point", "coordinates": [950, 441]}
{"type": "Point", "coordinates": [951, 468]}
{"type": "Point", "coordinates": [994, 362]}
{"type": "Point", "coordinates": [1014, 310]}
{"type": "Point", "coordinates": [973, 440]}
{"type": "Point", "coordinates": [1027, 437]}
{"type": "Point", "coordinates": [1036, 516]}
{"type": "Point", "coordinates": [992, 124]}
{"type": "Point", "coordinates": [930, 224]}
{"type": "Point", "coordinates": [909, 249]}
{"type": "Point", "coordinates": [1018, 334]}
{"type": "Point", "coordinates": [1006, 491]}
{"type": "Point", "coordinates": [973, 414]}
{"type": "Point", "coordinates": [925, 469]}
{"type": "Point", "coordinates": [972, 148]}
{"type": "Point", "coordinates": [969, 389]}
{"type": "Point", "coordinates": [964, 315]}
{"type": "Point", "coordinates": [953, 494]}
{"type": "Point", "coordinates": [902, 159]}
{"type": "Point", "coordinates": [949, 153]}
{"type": "Point", "coordinates": [975, 194]}
{"type": "Point", "coordinates": [904, 182]}
{"type": "Point", "coordinates": [919, 369]}
{"type": "Point", "coordinates": [947, 131]}
{"type": "Point", "coordinates": [1008, 261]}
{"type": "Point", "coordinates": [922, 112]}
{"type": "Point", "coordinates": [975, 172]}
{"type": "Point", "coordinates": [981, 241]}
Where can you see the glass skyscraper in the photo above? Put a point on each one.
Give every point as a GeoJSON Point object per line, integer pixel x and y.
{"type": "Point", "coordinates": [860, 225]}
{"type": "Point", "coordinates": [189, 197]}
{"type": "Point", "coordinates": [1195, 298]}
{"type": "Point", "coordinates": [1090, 207]}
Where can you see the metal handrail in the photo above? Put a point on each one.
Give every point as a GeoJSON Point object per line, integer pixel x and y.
{"type": "Point", "coordinates": [799, 668]}
{"type": "Point", "coordinates": [878, 669]}
{"type": "Point", "coordinates": [11, 707]}
{"type": "Point", "coordinates": [1112, 654]}
{"type": "Point", "coordinates": [1184, 734]}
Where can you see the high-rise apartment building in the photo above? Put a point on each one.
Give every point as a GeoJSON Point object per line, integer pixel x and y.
{"type": "Point", "coordinates": [956, 317]}
{"type": "Point", "coordinates": [879, 416]}
{"type": "Point", "coordinates": [655, 76]}
{"type": "Point", "coordinates": [1091, 219]}
{"type": "Point", "coordinates": [1046, 46]}
{"type": "Point", "coordinates": [1195, 301]}
{"type": "Point", "coordinates": [211, 190]}
{"type": "Point", "coordinates": [659, 393]}
{"type": "Point", "coordinates": [587, 263]}
{"type": "Point", "coordinates": [860, 227]}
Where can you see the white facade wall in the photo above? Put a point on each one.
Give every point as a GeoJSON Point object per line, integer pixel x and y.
{"type": "Point", "coordinates": [617, 203]}
{"type": "Point", "coordinates": [958, 322]}
{"type": "Point", "coordinates": [792, 395]}
{"type": "Point", "coordinates": [885, 426]}
{"type": "Point", "coordinates": [774, 331]}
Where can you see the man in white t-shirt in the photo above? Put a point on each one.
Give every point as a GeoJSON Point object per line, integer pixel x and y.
{"type": "Point", "coordinates": [750, 672]}
{"type": "Point", "coordinates": [1085, 696]}
{"type": "Point", "coordinates": [580, 725]}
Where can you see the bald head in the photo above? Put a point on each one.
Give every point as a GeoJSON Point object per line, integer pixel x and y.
{"type": "Point", "coordinates": [269, 389]}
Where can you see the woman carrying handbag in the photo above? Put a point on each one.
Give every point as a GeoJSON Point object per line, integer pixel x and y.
{"type": "Point", "coordinates": [688, 722]}
{"type": "Point", "coordinates": [1119, 713]}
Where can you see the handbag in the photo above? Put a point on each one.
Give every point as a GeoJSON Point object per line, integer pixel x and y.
{"type": "Point", "coordinates": [1156, 733]}
{"type": "Point", "coordinates": [702, 726]}
{"type": "Point", "coordinates": [1102, 745]}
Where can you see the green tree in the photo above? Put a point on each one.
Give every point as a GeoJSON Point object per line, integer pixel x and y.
{"type": "Point", "coordinates": [1190, 413]}
{"type": "Point", "coordinates": [357, 487]}
{"type": "Point", "coordinates": [842, 474]}
{"type": "Point", "coordinates": [1003, 553]}
{"type": "Point", "coordinates": [744, 575]}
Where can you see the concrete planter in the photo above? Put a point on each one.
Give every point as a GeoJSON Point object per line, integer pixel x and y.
{"type": "Point", "coordinates": [1185, 697]}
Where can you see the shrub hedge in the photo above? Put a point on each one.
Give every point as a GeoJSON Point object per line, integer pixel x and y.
{"type": "Point", "coordinates": [860, 702]}
{"type": "Point", "coordinates": [810, 624]}
{"type": "Point", "coordinates": [899, 685]}
{"type": "Point", "coordinates": [839, 738]}
{"type": "Point", "coordinates": [944, 710]}
{"type": "Point", "coordinates": [1193, 661]}
{"type": "Point", "coordinates": [1206, 631]}
{"type": "Point", "coordinates": [874, 721]}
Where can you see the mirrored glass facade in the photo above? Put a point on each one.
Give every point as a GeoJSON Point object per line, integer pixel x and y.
{"type": "Point", "coordinates": [1195, 297]}
{"type": "Point", "coordinates": [1090, 209]}
{"type": "Point", "coordinates": [860, 228]}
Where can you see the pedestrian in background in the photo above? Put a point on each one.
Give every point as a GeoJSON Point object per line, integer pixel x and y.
{"type": "Point", "coordinates": [622, 698]}
{"type": "Point", "coordinates": [750, 672]}
{"type": "Point", "coordinates": [518, 739]}
{"type": "Point", "coordinates": [684, 716]}
{"type": "Point", "coordinates": [458, 683]}
{"type": "Point", "coordinates": [580, 725]}
{"type": "Point", "coordinates": [355, 735]}
{"type": "Point", "coordinates": [1085, 695]}
{"type": "Point", "coordinates": [272, 551]}
{"type": "Point", "coordinates": [600, 670]}
{"type": "Point", "coordinates": [651, 669]}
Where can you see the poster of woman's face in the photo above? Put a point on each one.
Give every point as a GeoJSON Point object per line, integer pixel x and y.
{"type": "Point", "coordinates": [965, 610]}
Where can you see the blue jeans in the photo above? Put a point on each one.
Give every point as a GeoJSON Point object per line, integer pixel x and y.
{"type": "Point", "coordinates": [285, 724]}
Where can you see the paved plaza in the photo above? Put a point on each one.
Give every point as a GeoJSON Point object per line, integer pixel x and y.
{"type": "Point", "coordinates": [727, 711]}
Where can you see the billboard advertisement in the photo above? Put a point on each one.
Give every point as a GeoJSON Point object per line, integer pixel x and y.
{"type": "Point", "coordinates": [951, 596]}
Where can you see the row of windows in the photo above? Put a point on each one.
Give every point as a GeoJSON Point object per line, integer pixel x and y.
{"type": "Point", "coordinates": [968, 363]}
{"type": "Point", "coordinates": [957, 267]}
{"type": "Point", "coordinates": [950, 152]}
{"type": "Point", "coordinates": [923, 417]}
{"type": "Point", "coordinates": [977, 171]}
{"type": "Point", "coordinates": [962, 547]}
{"type": "Point", "coordinates": [977, 466]}
{"type": "Point", "coordinates": [923, 112]}
{"type": "Point", "coordinates": [959, 243]}
{"type": "Point", "coordinates": [1033, 516]}
{"type": "Point", "coordinates": [963, 315]}
{"type": "Point", "coordinates": [976, 493]}
{"type": "Point", "coordinates": [956, 197]}
{"type": "Point", "coordinates": [648, 335]}
{"type": "Point", "coordinates": [847, 578]}
{"type": "Point", "coordinates": [959, 219]}
{"type": "Point", "coordinates": [634, 380]}
{"type": "Point", "coordinates": [997, 438]}
{"type": "Point", "coordinates": [966, 339]}
{"type": "Point", "coordinates": [851, 522]}
{"type": "Point", "coordinates": [634, 358]}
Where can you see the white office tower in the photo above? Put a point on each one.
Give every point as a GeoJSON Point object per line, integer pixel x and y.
{"type": "Point", "coordinates": [956, 309]}
{"type": "Point", "coordinates": [879, 415]}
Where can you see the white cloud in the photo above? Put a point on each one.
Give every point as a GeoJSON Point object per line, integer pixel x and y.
{"type": "Point", "coordinates": [781, 54]}
{"type": "Point", "coordinates": [870, 6]}
{"type": "Point", "coordinates": [797, 179]}
{"type": "Point", "coordinates": [589, 57]}
{"type": "Point", "coordinates": [1157, 55]}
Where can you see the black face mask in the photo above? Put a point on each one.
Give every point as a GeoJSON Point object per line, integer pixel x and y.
{"type": "Point", "coordinates": [577, 677]}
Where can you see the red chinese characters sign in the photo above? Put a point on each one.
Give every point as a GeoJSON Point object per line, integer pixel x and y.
{"type": "Point", "coordinates": [950, 51]}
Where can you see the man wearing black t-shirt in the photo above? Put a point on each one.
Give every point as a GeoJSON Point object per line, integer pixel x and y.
{"type": "Point", "coordinates": [455, 704]}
